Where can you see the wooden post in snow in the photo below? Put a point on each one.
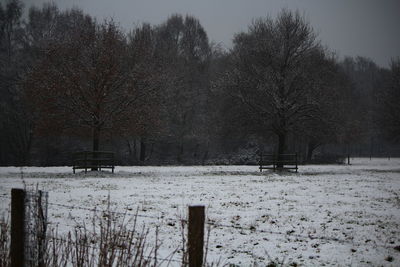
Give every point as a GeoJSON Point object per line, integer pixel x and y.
{"type": "Point", "coordinates": [196, 235]}
{"type": "Point", "coordinates": [18, 227]}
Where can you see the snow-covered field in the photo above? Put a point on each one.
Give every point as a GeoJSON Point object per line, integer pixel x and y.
{"type": "Point", "coordinates": [324, 215]}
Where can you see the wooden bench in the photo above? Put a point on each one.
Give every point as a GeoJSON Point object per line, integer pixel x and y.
{"type": "Point", "coordinates": [281, 162]}
{"type": "Point", "coordinates": [97, 160]}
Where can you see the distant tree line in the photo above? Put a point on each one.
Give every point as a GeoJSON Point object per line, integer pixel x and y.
{"type": "Point", "coordinates": [165, 94]}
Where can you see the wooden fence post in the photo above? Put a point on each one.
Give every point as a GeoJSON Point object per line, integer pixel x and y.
{"type": "Point", "coordinates": [18, 227]}
{"type": "Point", "coordinates": [42, 218]}
{"type": "Point", "coordinates": [196, 235]}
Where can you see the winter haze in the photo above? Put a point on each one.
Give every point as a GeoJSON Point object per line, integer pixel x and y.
{"type": "Point", "coordinates": [272, 125]}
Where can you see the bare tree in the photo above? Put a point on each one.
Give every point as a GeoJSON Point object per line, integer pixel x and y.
{"type": "Point", "coordinates": [183, 47]}
{"type": "Point", "coordinates": [369, 85]}
{"type": "Point", "coordinates": [332, 93]}
{"type": "Point", "coordinates": [15, 122]}
{"type": "Point", "coordinates": [85, 82]}
{"type": "Point", "coordinates": [274, 73]}
{"type": "Point", "coordinates": [147, 69]}
{"type": "Point", "coordinates": [389, 108]}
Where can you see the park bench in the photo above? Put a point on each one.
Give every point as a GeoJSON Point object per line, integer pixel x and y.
{"type": "Point", "coordinates": [281, 162]}
{"type": "Point", "coordinates": [96, 160]}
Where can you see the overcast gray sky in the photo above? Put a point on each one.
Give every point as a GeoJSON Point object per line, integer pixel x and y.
{"type": "Point", "coordinates": [369, 28]}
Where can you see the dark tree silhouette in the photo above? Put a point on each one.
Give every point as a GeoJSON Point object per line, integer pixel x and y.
{"type": "Point", "coordinates": [184, 48]}
{"type": "Point", "coordinates": [86, 83]}
{"type": "Point", "coordinates": [389, 107]}
{"type": "Point", "coordinates": [276, 70]}
{"type": "Point", "coordinates": [15, 120]}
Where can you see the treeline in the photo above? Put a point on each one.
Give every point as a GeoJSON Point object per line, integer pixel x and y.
{"type": "Point", "coordinates": [165, 94]}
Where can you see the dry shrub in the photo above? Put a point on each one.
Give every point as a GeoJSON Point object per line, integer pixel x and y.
{"type": "Point", "coordinates": [110, 241]}
{"type": "Point", "coordinates": [4, 242]}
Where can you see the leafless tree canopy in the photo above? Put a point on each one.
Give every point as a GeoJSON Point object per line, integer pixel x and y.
{"type": "Point", "coordinates": [87, 81]}
{"type": "Point", "coordinates": [389, 119]}
{"type": "Point", "coordinates": [281, 74]}
{"type": "Point", "coordinates": [164, 93]}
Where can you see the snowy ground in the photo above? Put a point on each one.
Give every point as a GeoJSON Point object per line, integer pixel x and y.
{"type": "Point", "coordinates": [323, 215]}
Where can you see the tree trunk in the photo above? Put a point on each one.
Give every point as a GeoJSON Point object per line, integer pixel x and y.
{"type": "Point", "coordinates": [28, 147]}
{"type": "Point", "coordinates": [142, 149]}
{"type": "Point", "coordinates": [205, 155]}
{"type": "Point", "coordinates": [151, 151]}
{"type": "Point", "coordinates": [96, 143]}
{"type": "Point", "coordinates": [281, 148]}
{"type": "Point", "coordinates": [195, 152]}
{"type": "Point", "coordinates": [180, 152]}
{"type": "Point", "coordinates": [132, 157]}
{"type": "Point", "coordinates": [311, 146]}
{"type": "Point", "coordinates": [96, 139]}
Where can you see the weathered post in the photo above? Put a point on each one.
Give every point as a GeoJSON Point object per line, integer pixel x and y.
{"type": "Point", "coordinates": [196, 235]}
{"type": "Point", "coordinates": [18, 227]}
{"type": "Point", "coordinates": [42, 226]}
{"type": "Point", "coordinates": [348, 159]}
